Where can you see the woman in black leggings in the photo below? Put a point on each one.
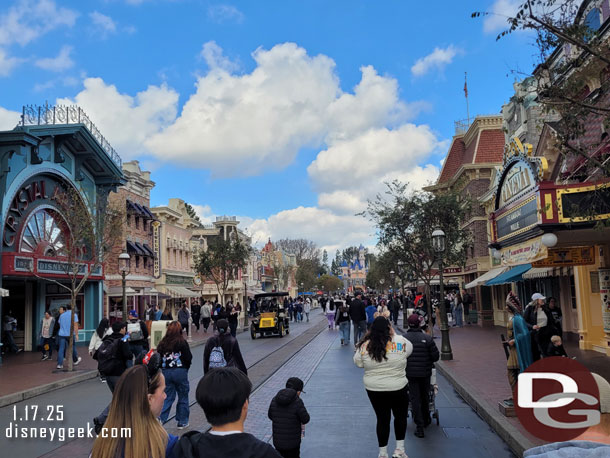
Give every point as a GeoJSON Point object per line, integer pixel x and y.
{"type": "Point", "coordinates": [383, 355]}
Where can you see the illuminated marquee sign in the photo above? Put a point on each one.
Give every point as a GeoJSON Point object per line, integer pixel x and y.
{"type": "Point", "coordinates": [518, 220]}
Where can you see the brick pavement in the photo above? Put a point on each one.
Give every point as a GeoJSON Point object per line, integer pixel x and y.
{"type": "Point", "coordinates": [478, 372]}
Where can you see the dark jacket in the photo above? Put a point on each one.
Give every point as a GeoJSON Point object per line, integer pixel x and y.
{"type": "Point", "coordinates": [357, 311]}
{"type": "Point", "coordinates": [553, 350]}
{"type": "Point", "coordinates": [206, 445]}
{"type": "Point", "coordinates": [342, 314]}
{"type": "Point", "coordinates": [175, 358]}
{"type": "Point", "coordinates": [230, 348]}
{"type": "Point", "coordinates": [287, 412]}
{"type": "Point", "coordinates": [123, 354]}
{"type": "Point", "coordinates": [424, 355]}
{"type": "Point", "coordinates": [531, 317]}
{"type": "Point", "coordinates": [144, 340]}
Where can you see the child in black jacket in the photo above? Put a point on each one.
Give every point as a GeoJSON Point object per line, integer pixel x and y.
{"type": "Point", "coordinates": [288, 415]}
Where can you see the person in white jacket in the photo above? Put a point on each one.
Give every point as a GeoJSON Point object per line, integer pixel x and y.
{"type": "Point", "coordinates": [383, 355]}
{"type": "Point", "coordinates": [103, 330]}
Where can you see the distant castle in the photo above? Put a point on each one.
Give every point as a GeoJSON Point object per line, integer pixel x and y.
{"type": "Point", "coordinates": [354, 273]}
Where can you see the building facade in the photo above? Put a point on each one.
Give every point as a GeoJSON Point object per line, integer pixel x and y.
{"type": "Point", "coordinates": [52, 150]}
{"type": "Point", "coordinates": [353, 273]}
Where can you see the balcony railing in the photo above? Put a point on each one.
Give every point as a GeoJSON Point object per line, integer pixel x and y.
{"type": "Point", "coordinates": [35, 115]}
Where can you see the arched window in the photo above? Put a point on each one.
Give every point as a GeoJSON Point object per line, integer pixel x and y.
{"type": "Point", "coordinates": [44, 234]}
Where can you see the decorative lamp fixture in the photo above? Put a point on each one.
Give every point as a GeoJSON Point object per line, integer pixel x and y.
{"type": "Point", "coordinates": [549, 240]}
{"type": "Point", "coordinates": [438, 240]}
{"type": "Point", "coordinates": [124, 261]}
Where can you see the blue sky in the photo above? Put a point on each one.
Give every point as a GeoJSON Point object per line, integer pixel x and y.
{"type": "Point", "coordinates": [289, 114]}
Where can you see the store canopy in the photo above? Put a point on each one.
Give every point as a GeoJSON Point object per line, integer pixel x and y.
{"type": "Point", "coordinates": [117, 291]}
{"type": "Point", "coordinates": [252, 292]}
{"type": "Point", "coordinates": [143, 250]}
{"type": "Point", "coordinates": [543, 272]}
{"type": "Point", "coordinates": [480, 281]}
{"type": "Point", "coordinates": [132, 248]}
{"type": "Point", "coordinates": [510, 276]}
{"type": "Point", "coordinates": [148, 250]}
{"type": "Point", "coordinates": [180, 291]}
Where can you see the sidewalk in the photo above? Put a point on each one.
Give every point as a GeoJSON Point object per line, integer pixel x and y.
{"type": "Point", "coordinates": [25, 375]}
{"type": "Point", "coordinates": [478, 373]}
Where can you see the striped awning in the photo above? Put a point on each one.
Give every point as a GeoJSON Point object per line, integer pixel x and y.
{"type": "Point", "coordinates": [544, 272]}
{"type": "Point", "coordinates": [180, 292]}
{"type": "Point", "coordinates": [490, 275]}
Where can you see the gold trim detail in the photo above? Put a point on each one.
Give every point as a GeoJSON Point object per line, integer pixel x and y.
{"type": "Point", "coordinates": [579, 219]}
{"type": "Point", "coordinates": [522, 230]}
{"type": "Point", "coordinates": [548, 204]}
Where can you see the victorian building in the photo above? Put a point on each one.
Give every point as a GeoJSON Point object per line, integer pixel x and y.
{"type": "Point", "coordinates": [53, 149]}
{"type": "Point", "coordinates": [278, 270]}
{"type": "Point", "coordinates": [474, 155]}
{"type": "Point", "coordinates": [137, 241]}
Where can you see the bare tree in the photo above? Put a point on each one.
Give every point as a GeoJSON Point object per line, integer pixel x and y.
{"type": "Point", "coordinates": [301, 248]}
{"type": "Point", "coordinates": [83, 242]}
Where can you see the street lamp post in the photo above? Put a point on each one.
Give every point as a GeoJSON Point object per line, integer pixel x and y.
{"type": "Point", "coordinates": [302, 288]}
{"type": "Point", "coordinates": [438, 242]}
{"type": "Point", "coordinates": [392, 277]}
{"type": "Point", "coordinates": [124, 259]}
{"type": "Point", "coordinates": [381, 282]}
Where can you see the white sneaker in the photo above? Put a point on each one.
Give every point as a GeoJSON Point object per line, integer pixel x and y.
{"type": "Point", "coordinates": [60, 367]}
{"type": "Point", "coordinates": [383, 455]}
{"type": "Point", "coordinates": [399, 454]}
{"type": "Point", "coordinates": [77, 362]}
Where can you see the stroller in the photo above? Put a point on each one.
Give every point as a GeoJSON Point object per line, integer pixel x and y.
{"type": "Point", "coordinates": [431, 398]}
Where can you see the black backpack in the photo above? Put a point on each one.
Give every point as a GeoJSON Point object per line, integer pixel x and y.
{"type": "Point", "coordinates": [107, 356]}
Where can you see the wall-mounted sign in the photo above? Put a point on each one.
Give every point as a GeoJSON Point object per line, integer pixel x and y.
{"type": "Point", "coordinates": [585, 203]}
{"type": "Point", "coordinates": [452, 270]}
{"type": "Point", "coordinates": [156, 226]}
{"type": "Point", "coordinates": [178, 280]}
{"type": "Point", "coordinates": [197, 281]}
{"type": "Point", "coordinates": [471, 268]}
{"type": "Point", "coordinates": [573, 256]}
{"type": "Point", "coordinates": [518, 220]}
{"type": "Point", "coordinates": [604, 292]}
{"type": "Point", "coordinates": [524, 253]}
{"type": "Point", "coordinates": [518, 179]}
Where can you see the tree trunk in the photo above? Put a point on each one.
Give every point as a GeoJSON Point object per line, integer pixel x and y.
{"type": "Point", "coordinates": [71, 343]}
{"type": "Point", "coordinates": [429, 307]}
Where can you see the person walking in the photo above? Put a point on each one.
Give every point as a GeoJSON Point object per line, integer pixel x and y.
{"type": "Point", "coordinates": [307, 309]}
{"type": "Point", "coordinates": [343, 321]}
{"type": "Point", "coordinates": [383, 355]}
{"type": "Point", "coordinates": [206, 314]}
{"type": "Point", "coordinates": [166, 315]}
{"type": "Point", "coordinates": [103, 330]}
{"type": "Point", "coordinates": [357, 314]}
{"type": "Point", "coordinates": [137, 335]}
{"type": "Point", "coordinates": [46, 335]}
{"type": "Point", "coordinates": [176, 358]}
{"type": "Point", "coordinates": [419, 369]}
{"type": "Point", "coordinates": [458, 310]}
{"type": "Point", "coordinates": [288, 417]}
{"type": "Point", "coordinates": [141, 389]}
{"type": "Point", "coordinates": [222, 350]}
{"type": "Point", "coordinates": [329, 310]}
{"type": "Point", "coordinates": [232, 319]}
{"type": "Point", "coordinates": [10, 325]}
{"type": "Point", "coordinates": [540, 322]}
{"type": "Point", "coordinates": [112, 357]}
{"type": "Point", "coordinates": [370, 310]}
{"type": "Point", "coordinates": [467, 303]}
{"type": "Point", "coordinates": [184, 315]}
{"type": "Point", "coordinates": [555, 310]}
{"type": "Point", "coordinates": [196, 313]}
{"type": "Point", "coordinates": [64, 337]}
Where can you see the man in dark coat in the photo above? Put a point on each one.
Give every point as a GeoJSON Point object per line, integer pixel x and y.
{"type": "Point", "coordinates": [419, 369]}
{"type": "Point", "coordinates": [196, 314]}
{"type": "Point", "coordinates": [357, 313]}
{"type": "Point", "coordinates": [288, 415]}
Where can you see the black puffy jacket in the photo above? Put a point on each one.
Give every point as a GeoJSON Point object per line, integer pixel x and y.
{"type": "Point", "coordinates": [424, 355]}
{"type": "Point", "coordinates": [288, 413]}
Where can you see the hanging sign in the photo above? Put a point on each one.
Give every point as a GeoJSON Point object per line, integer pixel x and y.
{"type": "Point", "coordinates": [524, 253]}
{"type": "Point", "coordinates": [573, 256]}
{"type": "Point", "coordinates": [156, 226]}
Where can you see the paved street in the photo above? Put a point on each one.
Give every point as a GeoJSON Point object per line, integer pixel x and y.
{"type": "Point", "coordinates": [84, 400]}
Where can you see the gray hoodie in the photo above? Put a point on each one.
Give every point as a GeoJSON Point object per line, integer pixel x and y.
{"type": "Point", "coordinates": [569, 449]}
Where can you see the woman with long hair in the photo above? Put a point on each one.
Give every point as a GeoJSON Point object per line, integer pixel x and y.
{"type": "Point", "coordinates": [176, 361]}
{"type": "Point", "coordinates": [103, 330]}
{"type": "Point", "coordinates": [329, 310]}
{"type": "Point", "coordinates": [383, 355]}
{"type": "Point", "coordinates": [136, 404]}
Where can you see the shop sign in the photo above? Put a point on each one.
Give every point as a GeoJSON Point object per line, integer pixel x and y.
{"type": "Point", "coordinates": [23, 264]}
{"type": "Point", "coordinates": [573, 256]}
{"type": "Point", "coordinates": [524, 253]}
{"type": "Point", "coordinates": [57, 267]}
{"type": "Point", "coordinates": [604, 292]}
{"type": "Point", "coordinates": [452, 270]}
{"type": "Point", "coordinates": [156, 225]}
{"type": "Point", "coordinates": [471, 268]}
{"type": "Point", "coordinates": [518, 220]}
{"type": "Point", "coordinates": [518, 179]}
{"type": "Point", "coordinates": [178, 280]}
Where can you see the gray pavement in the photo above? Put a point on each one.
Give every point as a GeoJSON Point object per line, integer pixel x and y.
{"type": "Point", "coordinates": [81, 402]}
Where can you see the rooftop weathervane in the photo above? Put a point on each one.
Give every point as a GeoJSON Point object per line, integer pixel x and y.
{"type": "Point", "coordinates": [35, 115]}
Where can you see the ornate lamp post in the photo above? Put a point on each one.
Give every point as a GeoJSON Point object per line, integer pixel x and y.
{"type": "Point", "coordinates": [392, 277]}
{"type": "Point", "coordinates": [381, 282]}
{"type": "Point", "coordinates": [438, 243]}
{"type": "Point", "coordinates": [301, 288]}
{"type": "Point", "coordinates": [124, 259]}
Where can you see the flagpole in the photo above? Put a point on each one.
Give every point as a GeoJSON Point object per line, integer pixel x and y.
{"type": "Point", "coordinates": [466, 93]}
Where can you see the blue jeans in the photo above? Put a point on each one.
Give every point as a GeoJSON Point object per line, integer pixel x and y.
{"type": "Point", "coordinates": [63, 346]}
{"type": "Point", "coordinates": [359, 330]}
{"type": "Point", "coordinates": [344, 330]}
{"type": "Point", "coordinates": [176, 381]}
{"type": "Point", "coordinates": [458, 318]}
{"type": "Point", "coordinates": [136, 349]}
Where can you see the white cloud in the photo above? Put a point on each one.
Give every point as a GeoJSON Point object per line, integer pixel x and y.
{"type": "Point", "coordinates": [204, 212]}
{"type": "Point", "coordinates": [124, 120]}
{"type": "Point", "coordinates": [499, 12]}
{"type": "Point", "coordinates": [8, 119]}
{"type": "Point", "coordinates": [26, 20]}
{"type": "Point", "coordinates": [8, 63]}
{"type": "Point", "coordinates": [436, 60]}
{"type": "Point", "coordinates": [104, 25]}
{"type": "Point", "coordinates": [260, 120]}
{"type": "Point", "coordinates": [62, 62]}
{"type": "Point", "coordinates": [215, 59]}
{"type": "Point", "coordinates": [225, 13]}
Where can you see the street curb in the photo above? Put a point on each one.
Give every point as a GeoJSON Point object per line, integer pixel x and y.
{"type": "Point", "coordinates": [516, 440]}
{"type": "Point", "coordinates": [43, 389]}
